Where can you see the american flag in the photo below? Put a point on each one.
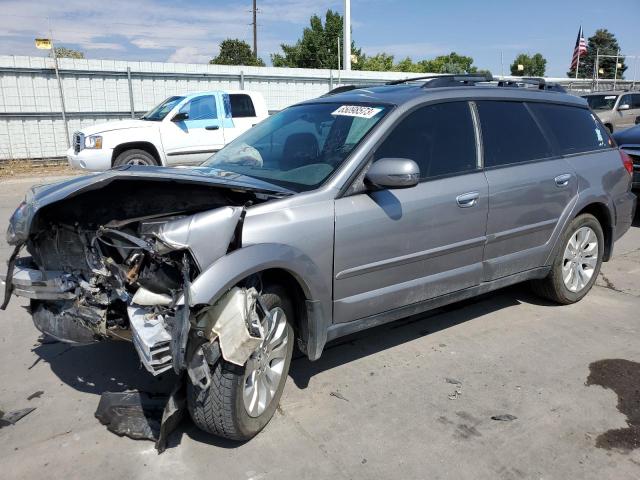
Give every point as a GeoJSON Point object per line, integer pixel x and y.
{"type": "Point", "coordinates": [579, 50]}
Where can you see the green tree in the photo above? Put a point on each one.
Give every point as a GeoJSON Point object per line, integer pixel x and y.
{"type": "Point", "coordinates": [234, 51]}
{"type": "Point", "coordinates": [64, 52]}
{"type": "Point", "coordinates": [452, 63]}
{"type": "Point", "coordinates": [381, 62]}
{"type": "Point", "coordinates": [407, 65]}
{"type": "Point", "coordinates": [534, 65]}
{"type": "Point", "coordinates": [318, 47]}
{"type": "Point", "coordinates": [604, 43]}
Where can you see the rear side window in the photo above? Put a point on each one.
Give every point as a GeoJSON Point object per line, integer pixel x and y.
{"type": "Point", "coordinates": [573, 129]}
{"type": "Point", "coordinates": [439, 138]}
{"type": "Point", "coordinates": [635, 100]}
{"type": "Point", "coordinates": [510, 135]}
{"type": "Point", "coordinates": [241, 105]}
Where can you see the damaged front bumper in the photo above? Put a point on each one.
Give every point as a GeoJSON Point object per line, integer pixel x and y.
{"type": "Point", "coordinates": [29, 282]}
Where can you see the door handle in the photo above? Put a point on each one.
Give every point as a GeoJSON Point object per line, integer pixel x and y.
{"type": "Point", "coordinates": [562, 180]}
{"type": "Point", "coordinates": [212, 127]}
{"type": "Point", "coordinates": [467, 200]}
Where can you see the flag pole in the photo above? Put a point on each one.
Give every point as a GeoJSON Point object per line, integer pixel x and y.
{"type": "Point", "coordinates": [578, 64]}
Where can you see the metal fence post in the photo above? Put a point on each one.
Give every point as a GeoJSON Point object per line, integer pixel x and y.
{"type": "Point", "coordinates": [241, 79]}
{"type": "Point", "coordinates": [330, 80]}
{"type": "Point", "coordinates": [131, 105]}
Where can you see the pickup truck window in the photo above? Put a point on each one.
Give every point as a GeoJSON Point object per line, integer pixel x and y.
{"type": "Point", "coordinates": [157, 113]}
{"type": "Point", "coordinates": [241, 105]}
{"type": "Point", "coordinates": [201, 108]}
{"type": "Point", "coordinates": [300, 147]}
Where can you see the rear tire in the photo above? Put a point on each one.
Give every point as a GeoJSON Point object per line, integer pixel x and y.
{"type": "Point", "coordinates": [135, 157]}
{"type": "Point", "coordinates": [220, 409]}
{"type": "Point", "coordinates": [574, 270]}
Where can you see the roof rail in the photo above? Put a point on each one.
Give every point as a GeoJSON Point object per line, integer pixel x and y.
{"type": "Point", "coordinates": [541, 83]}
{"type": "Point", "coordinates": [447, 80]}
{"type": "Point", "coordinates": [342, 89]}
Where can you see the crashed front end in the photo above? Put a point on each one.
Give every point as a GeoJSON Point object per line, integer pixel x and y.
{"type": "Point", "coordinates": [101, 265]}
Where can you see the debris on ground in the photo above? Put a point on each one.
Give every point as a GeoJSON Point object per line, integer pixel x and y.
{"type": "Point", "coordinates": [456, 393]}
{"type": "Point", "coordinates": [11, 418]}
{"type": "Point", "coordinates": [506, 417]}
{"type": "Point", "coordinates": [37, 394]}
{"type": "Point", "coordinates": [453, 381]}
{"type": "Point", "coordinates": [338, 395]}
{"type": "Point", "coordinates": [141, 415]}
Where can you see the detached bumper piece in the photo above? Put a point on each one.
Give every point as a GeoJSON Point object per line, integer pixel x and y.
{"type": "Point", "coordinates": [32, 283]}
{"type": "Point", "coordinates": [151, 339]}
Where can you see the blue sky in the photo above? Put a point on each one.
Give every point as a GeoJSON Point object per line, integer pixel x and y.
{"type": "Point", "coordinates": [190, 31]}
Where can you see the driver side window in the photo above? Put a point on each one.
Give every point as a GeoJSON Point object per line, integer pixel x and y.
{"type": "Point", "coordinates": [440, 138]}
{"type": "Point", "coordinates": [201, 108]}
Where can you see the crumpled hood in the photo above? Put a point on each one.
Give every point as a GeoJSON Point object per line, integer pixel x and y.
{"type": "Point", "coordinates": [43, 195]}
{"type": "Point", "coordinates": [118, 125]}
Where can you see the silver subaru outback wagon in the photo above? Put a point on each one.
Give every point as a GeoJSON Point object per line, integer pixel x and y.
{"type": "Point", "coordinates": [332, 216]}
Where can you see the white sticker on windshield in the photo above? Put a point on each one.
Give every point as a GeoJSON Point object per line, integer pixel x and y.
{"type": "Point", "coordinates": [610, 97]}
{"type": "Point", "coordinates": [357, 111]}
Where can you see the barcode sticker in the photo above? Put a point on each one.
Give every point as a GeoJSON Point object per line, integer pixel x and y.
{"type": "Point", "coordinates": [357, 111]}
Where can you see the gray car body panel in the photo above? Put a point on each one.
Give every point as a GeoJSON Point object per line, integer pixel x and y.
{"type": "Point", "coordinates": [363, 258]}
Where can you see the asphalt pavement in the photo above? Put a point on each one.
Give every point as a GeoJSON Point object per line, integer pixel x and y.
{"type": "Point", "coordinates": [412, 399]}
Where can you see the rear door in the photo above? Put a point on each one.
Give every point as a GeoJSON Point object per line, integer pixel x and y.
{"type": "Point", "coordinates": [627, 118]}
{"type": "Point", "coordinates": [530, 189]}
{"type": "Point", "coordinates": [399, 247]}
{"type": "Point", "coordinates": [196, 138]}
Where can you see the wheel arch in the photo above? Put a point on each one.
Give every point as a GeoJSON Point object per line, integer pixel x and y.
{"type": "Point", "coordinates": [603, 215]}
{"type": "Point", "coordinates": [148, 147]}
{"type": "Point", "coordinates": [280, 264]}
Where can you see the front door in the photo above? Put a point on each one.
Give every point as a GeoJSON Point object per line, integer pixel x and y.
{"type": "Point", "coordinates": [630, 112]}
{"type": "Point", "coordinates": [399, 247]}
{"type": "Point", "coordinates": [198, 136]}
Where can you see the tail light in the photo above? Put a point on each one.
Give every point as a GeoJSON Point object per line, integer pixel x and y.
{"type": "Point", "coordinates": [627, 162]}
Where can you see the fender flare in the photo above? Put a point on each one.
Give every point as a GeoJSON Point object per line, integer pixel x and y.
{"type": "Point", "coordinates": [230, 269]}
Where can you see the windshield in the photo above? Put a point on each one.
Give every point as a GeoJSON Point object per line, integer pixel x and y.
{"type": "Point", "coordinates": [601, 102]}
{"type": "Point", "coordinates": [157, 113]}
{"type": "Point", "coordinates": [300, 147]}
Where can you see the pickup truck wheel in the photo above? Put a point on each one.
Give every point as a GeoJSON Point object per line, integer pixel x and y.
{"type": "Point", "coordinates": [241, 400]}
{"type": "Point", "coordinates": [576, 264]}
{"type": "Point", "coordinates": [134, 157]}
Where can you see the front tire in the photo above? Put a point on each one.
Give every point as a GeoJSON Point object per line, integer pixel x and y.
{"type": "Point", "coordinates": [576, 264]}
{"type": "Point", "coordinates": [135, 156]}
{"type": "Point", "coordinates": [241, 400]}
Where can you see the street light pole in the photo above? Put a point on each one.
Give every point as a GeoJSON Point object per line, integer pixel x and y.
{"type": "Point", "coordinates": [55, 65]}
{"type": "Point", "coordinates": [346, 47]}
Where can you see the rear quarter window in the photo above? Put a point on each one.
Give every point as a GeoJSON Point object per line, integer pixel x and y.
{"type": "Point", "coordinates": [573, 129]}
{"type": "Point", "coordinates": [241, 105]}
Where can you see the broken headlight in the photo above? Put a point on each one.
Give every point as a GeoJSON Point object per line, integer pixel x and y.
{"type": "Point", "coordinates": [17, 231]}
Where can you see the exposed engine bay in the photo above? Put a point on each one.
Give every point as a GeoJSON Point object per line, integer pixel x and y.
{"type": "Point", "coordinates": [116, 262]}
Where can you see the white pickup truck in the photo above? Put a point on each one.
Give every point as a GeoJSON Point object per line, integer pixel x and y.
{"type": "Point", "coordinates": [184, 129]}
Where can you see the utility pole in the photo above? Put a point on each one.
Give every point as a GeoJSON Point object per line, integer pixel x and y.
{"type": "Point", "coordinates": [255, 29]}
{"type": "Point", "coordinates": [346, 46]}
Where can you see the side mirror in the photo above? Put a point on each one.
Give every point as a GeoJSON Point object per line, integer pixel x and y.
{"type": "Point", "coordinates": [393, 173]}
{"type": "Point", "coordinates": [180, 117]}
{"type": "Point", "coordinates": [624, 106]}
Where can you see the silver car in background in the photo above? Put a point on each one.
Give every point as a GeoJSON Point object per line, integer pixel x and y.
{"type": "Point", "coordinates": [335, 215]}
{"type": "Point", "coordinates": [617, 109]}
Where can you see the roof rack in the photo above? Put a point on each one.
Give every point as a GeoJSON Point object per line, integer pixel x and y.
{"type": "Point", "coordinates": [447, 80]}
{"type": "Point", "coordinates": [541, 83]}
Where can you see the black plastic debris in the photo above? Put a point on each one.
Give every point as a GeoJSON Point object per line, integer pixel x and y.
{"type": "Point", "coordinates": [142, 416]}
{"type": "Point", "coordinates": [10, 418]}
{"type": "Point", "coordinates": [132, 414]}
{"type": "Point", "coordinates": [506, 417]}
{"type": "Point", "coordinates": [37, 394]}
{"type": "Point", "coordinates": [339, 395]}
